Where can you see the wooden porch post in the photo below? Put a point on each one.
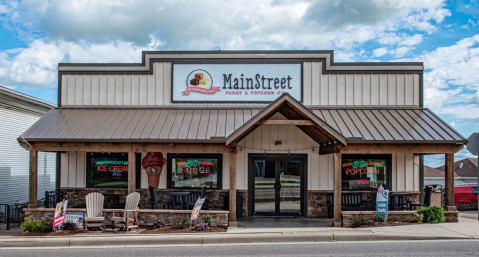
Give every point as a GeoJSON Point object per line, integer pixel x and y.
{"type": "Point", "coordinates": [450, 181]}
{"type": "Point", "coordinates": [33, 180]}
{"type": "Point", "coordinates": [337, 190]}
{"type": "Point", "coordinates": [232, 215]}
{"type": "Point", "coordinates": [131, 172]}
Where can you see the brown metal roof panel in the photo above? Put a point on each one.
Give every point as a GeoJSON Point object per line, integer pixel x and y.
{"type": "Point", "coordinates": [125, 124]}
{"type": "Point", "coordinates": [406, 125]}
{"type": "Point", "coordinates": [388, 126]}
{"type": "Point", "coordinates": [230, 122]}
{"type": "Point", "coordinates": [195, 124]}
{"type": "Point", "coordinates": [146, 131]}
{"type": "Point", "coordinates": [377, 124]}
{"type": "Point", "coordinates": [349, 123]}
{"type": "Point", "coordinates": [397, 125]}
{"type": "Point", "coordinates": [135, 122]}
{"type": "Point", "coordinates": [47, 122]}
{"type": "Point", "coordinates": [81, 118]}
{"type": "Point", "coordinates": [451, 131]}
{"type": "Point", "coordinates": [414, 124]}
{"type": "Point", "coordinates": [359, 125]}
{"type": "Point", "coordinates": [166, 126]}
{"type": "Point", "coordinates": [159, 123]}
{"type": "Point", "coordinates": [96, 124]}
{"type": "Point", "coordinates": [68, 125]}
{"type": "Point", "coordinates": [58, 125]}
{"type": "Point", "coordinates": [329, 119]}
{"type": "Point", "coordinates": [239, 118]}
{"type": "Point", "coordinates": [339, 121]}
{"type": "Point", "coordinates": [39, 123]}
{"type": "Point", "coordinates": [428, 129]}
{"type": "Point", "coordinates": [319, 114]}
{"type": "Point", "coordinates": [175, 129]}
{"type": "Point", "coordinates": [212, 124]}
{"type": "Point", "coordinates": [186, 125]}
{"type": "Point", "coordinates": [432, 125]}
{"type": "Point", "coordinates": [372, 130]}
{"type": "Point", "coordinates": [117, 123]}
{"type": "Point", "coordinates": [95, 118]}
{"type": "Point", "coordinates": [80, 126]}
{"type": "Point", "coordinates": [105, 124]}
{"type": "Point", "coordinates": [142, 123]}
{"type": "Point", "coordinates": [221, 125]}
{"type": "Point", "coordinates": [203, 126]}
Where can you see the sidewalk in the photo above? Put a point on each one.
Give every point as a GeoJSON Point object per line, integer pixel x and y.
{"type": "Point", "coordinates": [464, 229]}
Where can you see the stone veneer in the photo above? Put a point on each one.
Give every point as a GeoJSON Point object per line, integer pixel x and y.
{"type": "Point", "coordinates": [317, 206]}
{"type": "Point", "coordinates": [449, 216]}
{"type": "Point", "coordinates": [145, 217]}
{"type": "Point", "coordinates": [469, 206]}
{"type": "Point", "coordinates": [216, 202]}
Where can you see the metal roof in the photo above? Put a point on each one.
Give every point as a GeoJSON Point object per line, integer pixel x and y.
{"type": "Point", "coordinates": [214, 125]}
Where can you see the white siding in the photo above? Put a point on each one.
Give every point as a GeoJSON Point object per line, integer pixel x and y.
{"type": "Point", "coordinates": [318, 89]}
{"type": "Point", "coordinates": [14, 160]}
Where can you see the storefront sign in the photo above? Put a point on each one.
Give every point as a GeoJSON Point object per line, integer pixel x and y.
{"type": "Point", "coordinates": [74, 217]}
{"type": "Point", "coordinates": [115, 167]}
{"type": "Point", "coordinates": [195, 166]}
{"type": "Point", "coordinates": [382, 201]}
{"type": "Point", "coordinates": [60, 212]}
{"type": "Point", "coordinates": [361, 167]}
{"type": "Point", "coordinates": [235, 82]}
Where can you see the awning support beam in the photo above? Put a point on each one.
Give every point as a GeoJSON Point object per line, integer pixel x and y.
{"type": "Point", "coordinates": [33, 180]}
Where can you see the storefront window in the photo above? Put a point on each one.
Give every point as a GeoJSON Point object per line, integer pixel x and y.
{"type": "Point", "coordinates": [365, 171]}
{"type": "Point", "coordinates": [107, 170]}
{"type": "Point", "coordinates": [194, 170]}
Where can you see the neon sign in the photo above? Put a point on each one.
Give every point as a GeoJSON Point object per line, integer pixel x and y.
{"type": "Point", "coordinates": [361, 167]}
{"type": "Point", "coordinates": [362, 182]}
{"type": "Point", "coordinates": [195, 166]}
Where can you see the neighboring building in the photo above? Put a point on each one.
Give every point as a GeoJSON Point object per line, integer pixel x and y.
{"type": "Point", "coordinates": [433, 176]}
{"type": "Point", "coordinates": [466, 169]}
{"type": "Point", "coordinates": [18, 112]}
{"type": "Point", "coordinates": [282, 129]}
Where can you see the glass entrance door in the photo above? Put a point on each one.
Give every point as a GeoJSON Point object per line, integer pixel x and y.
{"type": "Point", "coordinates": [277, 185]}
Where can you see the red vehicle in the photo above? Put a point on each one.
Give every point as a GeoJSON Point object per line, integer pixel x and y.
{"type": "Point", "coordinates": [464, 194]}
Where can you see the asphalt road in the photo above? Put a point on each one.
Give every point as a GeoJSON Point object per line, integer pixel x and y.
{"type": "Point", "coordinates": [405, 248]}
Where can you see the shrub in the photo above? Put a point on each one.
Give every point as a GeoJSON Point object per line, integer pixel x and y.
{"type": "Point", "coordinates": [358, 221]}
{"type": "Point", "coordinates": [180, 223]}
{"type": "Point", "coordinates": [69, 226]}
{"type": "Point", "coordinates": [202, 226]}
{"type": "Point", "coordinates": [208, 219]}
{"type": "Point", "coordinates": [158, 224]}
{"type": "Point", "coordinates": [432, 214]}
{"type": "Point", "coordinates": [47, 226]}
{"type": "Point", "coordinates": [418, 217]}
{"type": "Point", "coordinates": [378, 218]}
{"type": "Point", "coordinates": [31, 226]}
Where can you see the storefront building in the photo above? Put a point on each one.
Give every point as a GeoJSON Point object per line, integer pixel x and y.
{"type": "Point", "coordinates": [280, 128]}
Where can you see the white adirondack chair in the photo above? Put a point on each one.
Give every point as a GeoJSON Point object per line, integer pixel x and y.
{"type": "Point", "coordinates": [129, 215]}
{"type": "Point", "coordinates": [94, 209]}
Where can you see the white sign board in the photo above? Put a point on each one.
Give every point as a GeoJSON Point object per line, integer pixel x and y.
{"type": "Point", "coordinates": [382, 201]}
{"type": "Point", "coordinates": [253, 83]}
{"type": "Point", "coordinates": [75, 217]}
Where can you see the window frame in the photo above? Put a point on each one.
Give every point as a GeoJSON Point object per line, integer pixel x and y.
{"type": "Point", "coordinates": [89, 155]}
{"type": "Point", "coordinates": [387, 157]}
{"type": "Point", "coordinates": [169, 162]}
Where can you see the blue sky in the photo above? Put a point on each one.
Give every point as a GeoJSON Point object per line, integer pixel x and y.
{"type": "Point", "coordinates": [36, 35]}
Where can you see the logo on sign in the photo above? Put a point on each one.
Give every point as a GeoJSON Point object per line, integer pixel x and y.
{"type": "Point", "coordinates": [153, 170]}
{"type": "Point", "coordinates": [200, 81]}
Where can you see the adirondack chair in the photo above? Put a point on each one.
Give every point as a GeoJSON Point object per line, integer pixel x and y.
{"type": "Point", "coordinates": [129, 215]}
{"type": "Point", "coordinates": [94, 210]}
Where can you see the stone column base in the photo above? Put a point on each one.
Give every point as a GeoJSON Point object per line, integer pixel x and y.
{"type": "Point", "coordinates": [233, 224]}
{"type": "Point", "coordinates": [451, 208]}
{"type": "Point", "coordinates": [337, 224]}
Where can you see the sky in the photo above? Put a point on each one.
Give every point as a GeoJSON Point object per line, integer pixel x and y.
{"type": "Point", "coordinates": [36, 35]}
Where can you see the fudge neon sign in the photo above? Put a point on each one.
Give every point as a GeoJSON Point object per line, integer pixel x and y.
{"type": "Point", "coordinates": [195, 166]}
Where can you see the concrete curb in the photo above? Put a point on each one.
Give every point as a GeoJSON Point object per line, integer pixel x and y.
{"type": "Point", "coordinates": [227, 238]}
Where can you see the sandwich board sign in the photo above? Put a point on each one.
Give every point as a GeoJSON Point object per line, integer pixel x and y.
{"type": "Point", "coordinates": [382, 201]}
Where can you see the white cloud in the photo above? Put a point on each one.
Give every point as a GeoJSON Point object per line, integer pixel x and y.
{"type": "Point", "coordinates": [380, 52]}
{"type": "Point", "coordinates": [452, 123]}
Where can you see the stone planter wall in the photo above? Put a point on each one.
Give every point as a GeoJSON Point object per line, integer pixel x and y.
{"type": "Point", "coordinates": [145, 217]}
{"type": "Point", "coordinates": [317, 206]}
{"type": "Point", "coordinates": [469, 206]}
{"type": "Point", "coordinates": [405, 216]}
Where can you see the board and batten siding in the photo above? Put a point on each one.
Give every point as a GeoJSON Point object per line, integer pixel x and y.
{"type": "Point", "coordinates": [318, 89]}
{"type": "Point", "coordinates": [14, 165]}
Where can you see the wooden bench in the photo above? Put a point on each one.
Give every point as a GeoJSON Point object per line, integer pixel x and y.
{"type": "Point", "coordinates": [349, 202]}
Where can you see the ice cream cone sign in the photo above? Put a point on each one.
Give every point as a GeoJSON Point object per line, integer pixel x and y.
{"type": "Point", "coordinates": [153, 164]}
